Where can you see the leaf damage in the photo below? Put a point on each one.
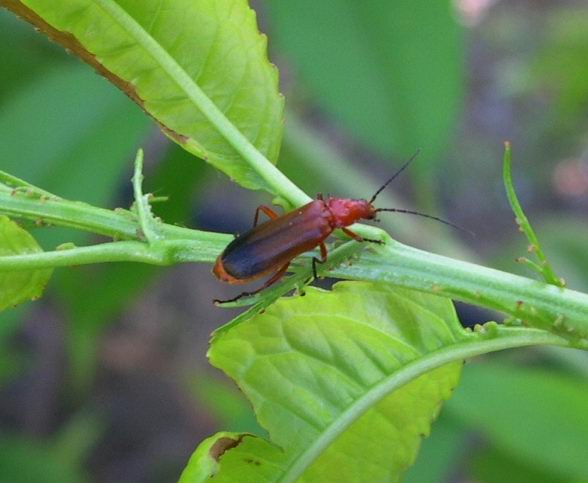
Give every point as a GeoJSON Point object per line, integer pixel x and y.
{"type": "Point", "coordinates": [224, 444]}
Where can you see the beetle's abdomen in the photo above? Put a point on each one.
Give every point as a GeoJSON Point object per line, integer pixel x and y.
{"type": "Point", "coordinates": [269, 246]}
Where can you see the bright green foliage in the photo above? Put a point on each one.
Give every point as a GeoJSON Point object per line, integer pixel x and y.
{"type": "Point", "coordinates": [320, 372]}
{"type": "Point", "coordinates": [199, 68]}
{"type": "Point", "coordinates": [538, 415]}
{"type": "Point", "coordinates": [19, 286]}
{"type": "Point", "coordinates": [389, 71]}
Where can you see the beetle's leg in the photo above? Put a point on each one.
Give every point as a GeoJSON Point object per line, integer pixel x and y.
{"type": "Point", "coordinates": [323, 249]}
{"type": "Point", "coordinates": [359, 238]}
{"type": "Point", "coordinates": [322, 260]}
{"type": "Point", "coordinates": [273, 279]}
{"type": "Point", "coordinates": [315, 260]}
{"type": "Point", "coordinates": [352, 235]}
{"type": "Point", "coordinates": [272, 215]}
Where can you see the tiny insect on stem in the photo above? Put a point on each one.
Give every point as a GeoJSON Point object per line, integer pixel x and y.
{"type": "Point", "coordinates": [268, 248]}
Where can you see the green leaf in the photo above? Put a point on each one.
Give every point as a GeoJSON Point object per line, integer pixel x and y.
{"type": "Point", "coordinates": [19, 286]}
{"type": "Point", "coordinates": [318, 370]}
{"type": "Point", "coordinates": [199, 68]}
{"type": "Point", "coordinates": [389, 71]}
{"type": "Point", "coordinates": [536, 414]}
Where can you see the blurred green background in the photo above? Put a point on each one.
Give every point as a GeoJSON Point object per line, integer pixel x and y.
{"type": "Point", "coordinates": [105, 379]}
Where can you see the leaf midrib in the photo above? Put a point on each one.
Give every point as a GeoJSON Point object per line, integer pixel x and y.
{"type": "Point", "coordinates": [260, 165]}
{"type": "Point", "coordinates": [168, 64]}
{"type": "Point", "coordinates": [475, 344]}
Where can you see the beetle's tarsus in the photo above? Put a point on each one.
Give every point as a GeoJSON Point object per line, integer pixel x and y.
{"type": "Point", "coordinates": [234, 299]}
{"type": "Point", "coordinates": [371, 240]}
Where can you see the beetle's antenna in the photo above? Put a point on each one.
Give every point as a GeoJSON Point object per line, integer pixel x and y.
{"type": "Point", "coordinates": [410, 212]}
{"type": "Point", "coordinates": [402, 168]}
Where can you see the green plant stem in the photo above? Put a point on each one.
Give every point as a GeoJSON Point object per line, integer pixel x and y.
{"type": "Point", "coordinates": [534, 267]}
{"type": "Point", "coordinates": [539, 304]}
{"type": "Point", "coordinates": [498, 338]}
{"type": "Point", "coordinates": [146, 219]}
{"type": "Point", "coordinates": [543, 267]}
{"type": "Point", "coordinates": [10, 183]}
{"type": "Point", "coordinates": [164, 252]}
{"type": "Point", "coordinates": [118, 224]}
{"type": "Point", "coordinates": [542, 305]}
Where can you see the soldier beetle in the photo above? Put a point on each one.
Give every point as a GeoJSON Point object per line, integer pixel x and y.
{"type": "Point", "coordinates": [268, 248]}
